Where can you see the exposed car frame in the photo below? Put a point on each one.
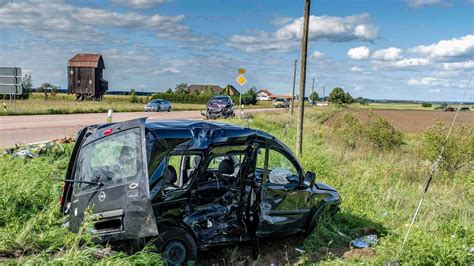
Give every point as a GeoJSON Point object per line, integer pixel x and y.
{"type": "Point", "coordinates": [204, 207]}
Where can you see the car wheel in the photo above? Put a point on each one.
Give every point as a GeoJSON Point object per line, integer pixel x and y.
{"type": "Point", "coordinates": [176, 246]}
{"type": "Point", "coordinates": [158, 109]}
{"type": "Point", "coordinates": [169, 109]}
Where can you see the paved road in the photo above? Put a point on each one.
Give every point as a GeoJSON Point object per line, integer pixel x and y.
{"type": "Point", "coordinates": [34, 128]}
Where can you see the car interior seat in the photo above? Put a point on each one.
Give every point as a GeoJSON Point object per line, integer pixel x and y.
{"type": "Point", "coordinates": [226, 167]}
{"type": "Point", "coordinates": [170, 177]}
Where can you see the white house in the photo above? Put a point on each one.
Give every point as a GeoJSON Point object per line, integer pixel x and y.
{"type": "Point", "coordinates": [264, 95]}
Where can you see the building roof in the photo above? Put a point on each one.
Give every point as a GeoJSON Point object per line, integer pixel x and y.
{"type": "Point", "coordinates": [267, 92]}
{"type": "Point", "coordinates": [201, 88]}
{"type": "Point", "coordinates": [86, 60]}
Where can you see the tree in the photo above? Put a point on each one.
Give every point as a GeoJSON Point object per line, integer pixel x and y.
{"type": "Point", "coordinates": [169, 90]}
{"type": "Point", "coordinates": [339, 96]}
{"type": "Point", "coordinates": [48, 88]}
{"type": "Point", "coordinates": [133, 96]}
{"type": "Point", "coordinates": [181, 88]}
{"type": "Point", "coordinates": [250, 97]}
{"type": "Point", "coordinates": [314, 96]}
{"type": "Point", "coordinates": [27, 85]}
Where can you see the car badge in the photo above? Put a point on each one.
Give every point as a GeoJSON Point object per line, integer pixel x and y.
{"type": "Point", "coordinates": [133, 186]}
{"type": "Point", "coordinates": [102, 196]}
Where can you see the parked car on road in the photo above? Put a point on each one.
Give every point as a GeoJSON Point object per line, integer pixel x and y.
{"type": "Point", "coordinates": [219, 106]}
{"type": "Point", "coordinates": [158, 105]}
{"type": "Point", "coordinates": [189, 186]}
{"type": "Point", "coordinates": [281, 103]}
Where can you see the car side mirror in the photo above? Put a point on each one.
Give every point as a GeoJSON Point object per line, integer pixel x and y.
{"type": "Point", "coordinates": [309, 179]}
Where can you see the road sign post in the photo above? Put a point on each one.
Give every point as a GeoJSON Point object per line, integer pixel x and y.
{"type": "Point", "coordinates": [241, 80]}
{"type": "Point", "coordinates": [10, 84]}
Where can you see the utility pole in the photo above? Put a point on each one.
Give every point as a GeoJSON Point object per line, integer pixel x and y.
{"type": "Point", "coordinates": [312, 89]}
{"type": "Point", "coordinates": [294, 82]}
{"type": "Point", "coordinates": [324, 90]}
{"type": "Point", "coordinates": [304, 50]}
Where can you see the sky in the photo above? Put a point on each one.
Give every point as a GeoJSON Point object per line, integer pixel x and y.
{"type": "Point", "coordinates": [405, 49]}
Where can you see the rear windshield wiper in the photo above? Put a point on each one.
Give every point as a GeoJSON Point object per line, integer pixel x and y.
{"type": "Point", "coordinates": [100, 184]}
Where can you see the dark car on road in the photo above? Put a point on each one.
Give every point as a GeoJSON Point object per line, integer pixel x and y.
{"type": "Point", "coordinates": [219, 106]}
{"type": "Point", "coordinates": [189, 186]}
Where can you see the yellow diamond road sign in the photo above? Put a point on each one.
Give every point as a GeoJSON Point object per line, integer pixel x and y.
{"type": "Point", "coordinates": [241, 80]}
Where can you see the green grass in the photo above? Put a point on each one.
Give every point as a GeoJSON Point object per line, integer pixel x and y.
{"type": "Point", "coordinates": [380, 190]}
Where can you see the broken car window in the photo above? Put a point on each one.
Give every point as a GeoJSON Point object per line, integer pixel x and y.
{"type": "Point", "coordinates": [280, 169]}
{"type": "Point", "coordinates": [110, 160]}
{"type": "Point", "coordinates": [180, 170]}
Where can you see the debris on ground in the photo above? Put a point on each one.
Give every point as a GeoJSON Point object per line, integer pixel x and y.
{"type": "Point", "coordinates": [358, 253]}
{"type": "Point", "coordinates": [365, 241]}
{"type": "Point", "coordinates": [34, 150]}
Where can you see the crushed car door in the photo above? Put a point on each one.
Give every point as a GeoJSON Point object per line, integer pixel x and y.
{"type": "Point", "coordinates": [111, 180]}
{"type": "Point", "coordinates": [283, 202]}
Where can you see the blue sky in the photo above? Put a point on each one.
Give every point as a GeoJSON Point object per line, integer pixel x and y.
{"type": "Point", "coordinates": [414, 49]}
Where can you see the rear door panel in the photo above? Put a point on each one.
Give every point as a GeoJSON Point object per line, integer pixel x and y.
{"type": "Point", "coordinates": [121, 208]}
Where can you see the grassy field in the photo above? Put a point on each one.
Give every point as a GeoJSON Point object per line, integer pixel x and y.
{"type": "Point", "coordinates": [379, 188]}
{"type": "Point", "coordinates": [65, 104]}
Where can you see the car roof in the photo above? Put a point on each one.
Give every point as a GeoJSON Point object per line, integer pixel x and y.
{"type": "Point", "coordinates": [197, 135]}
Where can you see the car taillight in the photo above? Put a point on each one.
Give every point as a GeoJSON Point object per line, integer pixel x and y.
{"type": "Point", "coordinates": [107, 132]}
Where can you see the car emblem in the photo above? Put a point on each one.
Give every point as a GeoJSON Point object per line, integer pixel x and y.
{"type": "Point", "coordinates": [102, 196]}
{"type": "Point", "coordinates": [133, 185]}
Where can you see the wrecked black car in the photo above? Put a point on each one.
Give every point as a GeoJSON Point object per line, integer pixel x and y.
{"type": "Point", "coordinates": [219, 106]}
{"type": "Point", "coordinates": [189, 186]}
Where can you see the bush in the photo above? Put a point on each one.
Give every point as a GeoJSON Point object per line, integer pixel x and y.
{"type": "Point", "coordinates": [381, 134]}
{"type": "Point", "coordinates": [426, 105]}
{"type": "Point", "coordinates": [376, 132]}
{"type": "Point", "coordinates": [459, 151]}
{"type": "Point", "coordinates": [339, 96]}
{"type": "Point", "coordinates": [134, 97]}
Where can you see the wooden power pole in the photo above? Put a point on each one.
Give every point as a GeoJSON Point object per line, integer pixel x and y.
{"type": "Point", "coordinates": [304, 50]}
{"type": "Point", "coordinates": [294, 82]}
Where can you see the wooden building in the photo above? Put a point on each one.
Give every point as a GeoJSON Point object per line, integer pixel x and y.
{"type": "Point", "coordinates": [85, 76]}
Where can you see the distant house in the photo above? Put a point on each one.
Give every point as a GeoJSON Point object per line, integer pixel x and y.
{"type": "Point", "coordinates": [85, 76]}
{"type": "Point", "coordinates": [203, 88]}
{"type": "Point", "coordinates": [264, 95]}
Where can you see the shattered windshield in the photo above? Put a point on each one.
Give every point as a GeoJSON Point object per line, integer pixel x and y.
{"type": "Point", "coordinates": [111, 160]}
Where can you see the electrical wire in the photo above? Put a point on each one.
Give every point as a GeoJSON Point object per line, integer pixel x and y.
{"type": "Point", "coordinates": [434, 167]}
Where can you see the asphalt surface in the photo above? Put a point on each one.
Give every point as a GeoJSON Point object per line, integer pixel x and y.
{"type": "Point", "coordinates": [36, 128]}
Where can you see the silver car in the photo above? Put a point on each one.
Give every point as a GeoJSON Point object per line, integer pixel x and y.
{"type": "Point", "coordinates": [158, 105]}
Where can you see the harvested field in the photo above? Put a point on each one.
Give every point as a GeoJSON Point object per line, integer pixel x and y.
{"type": "Point", "coordinates": [411, 121]}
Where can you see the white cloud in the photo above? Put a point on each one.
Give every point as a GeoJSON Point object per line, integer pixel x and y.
{"type": "Point", "coordinates": [426, 81]}
{"type": "Point", "coordinates": [435, 90]}
{"type": "Point", "coordinates": [356, 69]}
{"type": "Point", "coordinates": [389, 54]}
{"type": "Point", "coordinates": [459, 65]}
{"type": "Point", "coordinates": [425, 3]}
{"type": "Point", "coordinates": [456, 47]}
{"type": "Point", "coordinates": [403, 63]}
{"type": "Point", "coordinates": [61, 21]}
{"type": "Point", "coordinates": [317, 54]}
{"type": "Point", "coordinates": [139, 4]}
{"type": "Point", "coordinates": [170, 70]}
{"type": "Point", "coordinates": [333, 29]}
{"type": "Point", "coordinates": [359, 53]}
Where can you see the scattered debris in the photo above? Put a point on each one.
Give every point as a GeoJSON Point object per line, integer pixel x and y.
{"type": "Point", "coordinates": [301, 251]}
{"type": "Point", "coordinates": [34, 150]}
{"type": "Point", "coordinates": [365, 241]}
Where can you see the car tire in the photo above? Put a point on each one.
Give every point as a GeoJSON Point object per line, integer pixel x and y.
{"type": "Point", "coordinates": [158, 109]}
{"type": "Point", "coordinates": [176, 246]}
{"type": "Point", "coordinates": [169, 109]}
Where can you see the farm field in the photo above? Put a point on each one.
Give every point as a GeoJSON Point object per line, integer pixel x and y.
{"type": "Point", "coordinates": [409, 120]}
{"type": "Point", "coordinates": [380, 190]}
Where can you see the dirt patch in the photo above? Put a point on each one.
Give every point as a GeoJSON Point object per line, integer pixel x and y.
{"type": "Point", "coordinates": [358, 253]}
{"type": "Point", "coordinates": [410, 121]}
